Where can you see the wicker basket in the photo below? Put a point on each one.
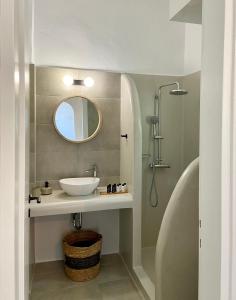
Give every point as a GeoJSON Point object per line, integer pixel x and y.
{"type": "Point", "coordinates": [82, 254]}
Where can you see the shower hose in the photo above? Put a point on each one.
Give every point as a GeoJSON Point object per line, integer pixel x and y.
{"type": "Point", "coordinates": [153, 196]}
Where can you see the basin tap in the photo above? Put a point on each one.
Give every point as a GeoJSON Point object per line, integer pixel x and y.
{"type": "Point", "coordinates": [93, 169]}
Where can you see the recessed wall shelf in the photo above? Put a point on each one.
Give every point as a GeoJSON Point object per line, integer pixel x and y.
{"type": "Point", "coordinates": [60, 203]}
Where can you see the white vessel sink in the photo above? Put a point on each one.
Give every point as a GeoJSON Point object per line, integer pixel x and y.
{"type": "Point", "coordinates": [79, 186]}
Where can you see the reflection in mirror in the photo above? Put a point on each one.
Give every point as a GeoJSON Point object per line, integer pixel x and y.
{"type": "Point", "coordinates": [77, 119]}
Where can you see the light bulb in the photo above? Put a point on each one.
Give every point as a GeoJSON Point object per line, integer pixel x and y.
{"type": "Point", "coordinates": [89, 82]}
{"type": "Point", "coordinates": [17, 77]}
{"type": "Point", "coordinates": [68, 80]}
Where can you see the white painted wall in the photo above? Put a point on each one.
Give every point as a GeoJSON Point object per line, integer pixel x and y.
{"type": "Point", "coordinates": [210, 149]}
{"type": "Point", "coordinates": [15, 54]}
{"type": "Point", "coordinates": [132, 36]}
{"type": "Point", "coordinates": [116, 35]}
{"type": "Point", "coordinates": [130, 162]}
{"type": "Point", "coordinates": [49, 232]}
{"type": "Point", "coordinates": [8, 284]}
{"type": "Point", "coordinates": [193, 48]}
{"type": "Point", "coordinates": [177, 246]}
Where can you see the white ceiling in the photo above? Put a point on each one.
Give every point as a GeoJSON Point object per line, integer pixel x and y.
{"type": "Point", "coordinates": [124, 36]}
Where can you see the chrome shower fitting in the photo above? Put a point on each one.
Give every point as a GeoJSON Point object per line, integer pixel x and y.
{"type": "Point", "coordinates": [157, 137]}
{"type": "Point", "coordinates": [153, 120]}
{"type": "Point", "coordinates": [176, 92]}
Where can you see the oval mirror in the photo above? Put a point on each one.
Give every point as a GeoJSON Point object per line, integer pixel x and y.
{"type": "Point", "coordinates": [77, 119]}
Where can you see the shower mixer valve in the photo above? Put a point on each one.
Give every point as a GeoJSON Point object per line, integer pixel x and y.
{"type": "Point", "coordinates": [159, 165]}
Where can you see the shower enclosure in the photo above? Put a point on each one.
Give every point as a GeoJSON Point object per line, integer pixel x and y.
{"type": "Point", "coordinates": [162, 122]}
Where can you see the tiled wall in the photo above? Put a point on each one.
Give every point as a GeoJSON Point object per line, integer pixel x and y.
{"type": "Point", "coordinates": [57, 158]}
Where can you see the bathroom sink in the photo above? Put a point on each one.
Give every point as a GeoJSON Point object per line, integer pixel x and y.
{"type": "Point", "coordinates": [79, 186]}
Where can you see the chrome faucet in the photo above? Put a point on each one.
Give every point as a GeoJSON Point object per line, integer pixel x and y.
{"type": "Point", "coordinates": [93, 169]}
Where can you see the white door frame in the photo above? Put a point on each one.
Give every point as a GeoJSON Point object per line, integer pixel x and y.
{"type": "Point", "coordinates": [15, 52]}
{"type": "Point", "coordinates": [217, 265]}
{"type": "Point", "coordinates": [228, 195]}
{"type": "Point", "coordinates": [7, 152]}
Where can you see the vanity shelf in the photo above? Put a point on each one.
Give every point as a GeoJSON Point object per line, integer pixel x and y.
{"type": "Point", "coordinates": [60, 203]}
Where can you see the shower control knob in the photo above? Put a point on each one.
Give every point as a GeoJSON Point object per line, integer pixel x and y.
{"type": "Point", "coordinates": [124, 136]}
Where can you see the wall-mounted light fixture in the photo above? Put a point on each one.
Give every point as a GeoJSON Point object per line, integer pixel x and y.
{"type": "Point", "coordinates": [88, 82]}
{"type": "Point", "coordinates": [69, 80]}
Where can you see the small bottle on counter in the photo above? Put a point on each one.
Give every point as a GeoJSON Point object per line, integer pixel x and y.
{"type": "Point", "coordinates": [46, 190]}
{"type": "Point", "coordinates": [118, 188]}
{"type": "Point", "coordinates": [109, 189]}
{"type": "Point", "coordinates": [114, 190]}
{"type": "Point", "coordinates": [124, 188]}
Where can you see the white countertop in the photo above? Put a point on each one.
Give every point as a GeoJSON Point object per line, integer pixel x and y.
{"type": "Point", "coordinates": [60, 203]}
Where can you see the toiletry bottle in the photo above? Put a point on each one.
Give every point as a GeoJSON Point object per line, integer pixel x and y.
{"type": "Point", "coordinates": [109, 189]}
{"type": "Point", "coordinates": [114, 188]}
{"type": "Point", "coordinates": [46, 190]}
{"type": "Point", "coordinates": [119, 188]}
{"type": "Point", "coordinates": [124, 188]}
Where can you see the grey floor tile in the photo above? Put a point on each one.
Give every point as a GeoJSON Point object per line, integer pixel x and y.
{"type": "Point", "coordinates": [75, 293]}
{"type": "Point", "coordinates": [111, 259]}
{"type": "Point", "coordinates": [119, 290]}
{"type": "Point", "coordinates": [112, 273]}
{"type": "Point", "coordinates": [49, 267]}
{"type": "Point", "coordinates": [50, 282]}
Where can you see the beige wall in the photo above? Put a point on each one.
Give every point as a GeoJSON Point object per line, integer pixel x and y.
{"type": "Point", "coordinates": [171, 151]}
{"type": "Point", "coordinates": [57, 158]}
{"type": "Point", "coordinates": [191, 117]}
{"type": "Point", "coordinates": [180, 129]}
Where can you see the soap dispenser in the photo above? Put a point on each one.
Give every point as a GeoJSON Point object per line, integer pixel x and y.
{"type": "Point", "coordinates": [46, 190]}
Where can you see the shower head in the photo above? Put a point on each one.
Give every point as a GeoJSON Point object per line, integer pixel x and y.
{"type": "Point", "coordinates": [178, 92]}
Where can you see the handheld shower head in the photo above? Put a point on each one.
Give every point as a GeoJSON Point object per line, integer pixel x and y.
{"type": "Point", "coordinates": [153, 120]}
